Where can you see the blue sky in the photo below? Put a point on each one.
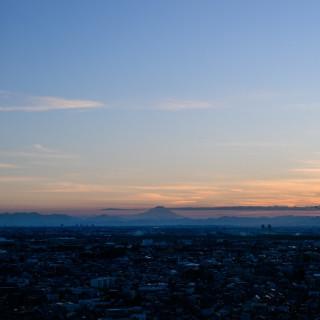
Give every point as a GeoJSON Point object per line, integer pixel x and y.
{"type": "Point", "coordinates": [143, 103]}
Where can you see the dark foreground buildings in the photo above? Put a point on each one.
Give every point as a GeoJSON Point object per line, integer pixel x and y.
{"type": "Point", "coordinates": [159, 273]}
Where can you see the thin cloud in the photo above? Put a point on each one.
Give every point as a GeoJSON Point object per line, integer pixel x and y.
{"type": "Point", "coordinates": [159, 197]}
{"type": "Point", "coordinates": [310, 162]}
{"type": "Point", "coordinates": [45, 163]}
{"type": "Point", "coordinates": [263, 95]}
{"type": "Point", "coordinates": [36, 155]}
{"type": "Point", "coordinates": [10, 101]}
{"type": "Point", "coordinates": [183, 105]}
{"type": "Point", "coordinates": [174, 188]}
{"type": "Point", "coordinates": [39, 152]}
{"type": "Point", "coordinates": [19, 179]}
{"type": "Point", "coordinates": [307, 170]}
{"type": "Point", "coordinates": [309, 166]}
{"type": "Point", "coordinates": [72, 187]}
{"type": "Point", "coordinates": [8, 166]}
{"type": "Point", "coordinates": [248, 144]}
{"type": "Point", "coordinates": [42, 148]}
{"type": "Point", "coordinates": [226, 102]}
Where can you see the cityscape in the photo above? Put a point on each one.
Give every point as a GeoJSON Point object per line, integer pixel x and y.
{"type": "Point", "coordinates": [159, 160]}
{"type": "Point", "coordinates": [199, 272]}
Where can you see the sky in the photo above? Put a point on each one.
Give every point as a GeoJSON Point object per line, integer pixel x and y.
{"type": "Point", "coordinates": [134, 104]}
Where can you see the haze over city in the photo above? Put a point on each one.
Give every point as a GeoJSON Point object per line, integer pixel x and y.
{"type": "Point", "coordinates": [134, 104]}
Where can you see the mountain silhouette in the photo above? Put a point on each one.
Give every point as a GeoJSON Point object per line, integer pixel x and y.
{"type": "Point", "coordinates": [158, 216]}
{"type": "Point", "coordinates": [36, 219]}
{"type": "Point", "coordinates": [158, 213]}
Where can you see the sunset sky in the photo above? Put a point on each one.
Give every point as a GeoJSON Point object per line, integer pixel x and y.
{"type": "Point", "coordinates": [131, 104]}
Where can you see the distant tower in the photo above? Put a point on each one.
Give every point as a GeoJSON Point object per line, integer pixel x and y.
{"type": "Point", "coordinates": [269, 227]}
{"type": "Point", "coordinates": [262, 227]}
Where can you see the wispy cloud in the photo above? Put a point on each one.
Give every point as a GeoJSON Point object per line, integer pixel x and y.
{"type": "Point", "coordinates": [308, 163]}
{"type": "Point", "coordinates": [8, 165]}
{"type": "Point", "coordinates": [73, 187]}
{"type": "Point", "coordinates": [264, 95]}
{"type": "Point", "coordinates": [248, 144]}
{"type": "Point", "coordinates": [43, 149]}
{"type": "Point", "coordinates": [222, 102]}
{"type": "Point", "coordinates": [36, 155]}
{"type": "Point", "coordinates": [10, 101]}
{"type": "Point", "coordinates": [309, 166]}
{"type": "Point", "coordinates": [38, 151]}
{"type": "Point", "coordinates": [299, 191]}
{"type": "Point", "coordinates": [19, 179]}
{"type": "Point", "coordinates": [307, 170]}
{"type": "Point", "coordinates": [170, 199]}
{"type": "Point", "coordinates": [174, 187]}
{"type": "Point", "coordinates": [47, 163]}
{"type": "Point", "coordinates": [174, 105]}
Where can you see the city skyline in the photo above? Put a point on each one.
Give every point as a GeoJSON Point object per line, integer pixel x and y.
{"type": "Point", "coordinates": [138, 104]}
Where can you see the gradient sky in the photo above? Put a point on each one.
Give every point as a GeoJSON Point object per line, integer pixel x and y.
{"type": "Point", "coordinates": [173, 102]}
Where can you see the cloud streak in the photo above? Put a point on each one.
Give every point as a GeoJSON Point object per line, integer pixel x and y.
{"type": "Point", "coordinates": [20, 179]}
{"type": "Point", "coordinates": [10, 101]}
{"type": "Point", "coordinates": [174, 187]}
{"type": "Point", "coordinates": [39, 152]}
{"type": "Point", "coordinates": [8, 166]}
{"type": "Point", "coordinates": [248, 144]}
{"type": "Point", "coordinates": [72, 187]}
{"type": "Point", "coordinates": [43, 149]}
{"type": "Point", "coordinates": [183, 105]}
{"type": "Point", "coordinates": [309, 166]}
{"type": "Point", "coordinates": [36, 155]}
{"type": "Point", "coordinates": [307, 170]}
{"type": "Point", "coordinates": [299, 191]}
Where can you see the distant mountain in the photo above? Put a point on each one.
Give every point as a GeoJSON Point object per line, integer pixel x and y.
{"type": "Point", "coordinates": [36, 219]}
{"type": "Point", "coordinates": [158, 216]}
{"type": "Point", "coordinates": [158, 213]}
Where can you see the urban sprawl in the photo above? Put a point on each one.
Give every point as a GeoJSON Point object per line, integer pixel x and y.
{"type": "Point", "coordinates": [87, 272]}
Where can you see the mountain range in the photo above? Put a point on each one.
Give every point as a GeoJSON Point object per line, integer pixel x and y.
{"type": "Point", "coordinates": [158, 216]}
